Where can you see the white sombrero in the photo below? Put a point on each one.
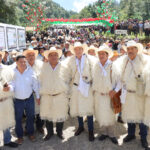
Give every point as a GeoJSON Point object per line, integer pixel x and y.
{"type": "Point", "coordinates": [78, 44]}
{"type": "Point", "coordinates": [106, 49]}
{"type": "Point", "coordinates": [134, 44]}
{"type": "Point", "coordinates": [124, 48]}
{"type": "Point", "coordinates": [30, 50]}
{"type": "Point", "coordinates": [13, 51]}
{"type": "Point", "coordinates": [92, 47]}
{"type": "Point", "coordinates": [52, 50]}
{"type": "Point", "coordinates": [2, 53]}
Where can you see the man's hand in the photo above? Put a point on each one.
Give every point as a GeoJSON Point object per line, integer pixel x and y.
{"type": "Point", "coordinates": [38, 101]}
{"type": "Point", "coordinates": [6, 89]}
{"type": "Point", "coordinates": [112, 93]}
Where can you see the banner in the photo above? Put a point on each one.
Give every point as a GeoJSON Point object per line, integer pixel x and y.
{"type": "Point", "coordinates": [84, 21]}
{"type": "Point", "coordinates": [11, 38]}
{"type": "Point", "coordinates": [2, 38]}
{"type": "Point", "coordinates": [121, 32]}
{"type": "Point", "coordinates": [21, 38]}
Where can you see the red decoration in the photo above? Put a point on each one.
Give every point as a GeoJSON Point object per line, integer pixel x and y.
{"type": "Point", "coordinates": [33, 10]}
{"type": "Point", "coordinates": [23, 6]}
{"type": "Point", "coordinates": [74, 20]}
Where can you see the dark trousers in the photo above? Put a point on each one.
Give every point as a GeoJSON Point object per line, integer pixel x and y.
{"type": "Point", "coordinates": [143, 130]}
{"type": "Point", "coordinates": [7, 136]}
{"type": "Point", "coordinates": [59, 127]}
{"type": "Point", "coordinates": [28, 106]}
{"type": "Point", "coordinates": [39, 122]}
{"type": "Point", "coordinates": [89, 122]}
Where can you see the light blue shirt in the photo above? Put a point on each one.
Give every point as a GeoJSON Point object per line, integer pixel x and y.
{"type": "Point", "coordinates": [24, 84]}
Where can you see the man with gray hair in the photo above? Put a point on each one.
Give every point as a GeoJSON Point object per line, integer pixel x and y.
{"type": "Point", "coordinates": [133, 79]}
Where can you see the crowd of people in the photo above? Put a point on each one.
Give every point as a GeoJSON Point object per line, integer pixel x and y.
{"type": "Point", "coordinates": [134, 26]}
{"type": "Point", "coordinates": [62, 35]}
{"type": "Point", "coordinates": [73, 73]}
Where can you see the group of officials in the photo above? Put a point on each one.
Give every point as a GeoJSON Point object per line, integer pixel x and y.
{"type": "Point", "coordinates": [82, 85]}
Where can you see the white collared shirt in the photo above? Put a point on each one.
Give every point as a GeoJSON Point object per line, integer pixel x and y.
{"type": "Point", "coordinates": [132, 61]}
{"type": "Point", "coordinates": [1, 66]}
{"type": "Point", "coordinates": [105, 66]}
{"type": "Point", "coordinates": [24, 84]}
{"type": "Point", "coordinates": [117, 85]}
{"type": "Point", "coordinates": [55, 66]}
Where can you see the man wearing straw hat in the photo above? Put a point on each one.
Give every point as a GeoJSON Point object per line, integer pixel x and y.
{"type": "Point", "coordinates": [92, 50]}
{"type": "Point", "coordinates": [80, 79]}
{"type": "Point", "coordinates": [13, 56]}
{"type": "Point", "coordinates": [53, 90]}
{"type": "Point", "coordinates": [36, 65]}
{"type": "Point", "coordinates": [5, 59]}
{"type": "Point", "coordinates": [105, 85]}
{"type": "Point", "coordinates": [134, 87]}
{"type": "Point", "coordinates": [7, 116]}
{"type": "Point", "coordinates": [123, 50]}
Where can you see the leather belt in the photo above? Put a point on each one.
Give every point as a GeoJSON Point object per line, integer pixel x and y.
{"type": "Point", "coordinates": [104, 94]}
{"type": "Point", "coordinates": [2, 99]}
{"type": "Point", "coordinates": [130, 91]}
{"type": "Point", "coordinates": [54, 94]}
{"type": "Point", "coordinates": [24, 99]}
{"type": "Point", "coordinates": [75, 84]}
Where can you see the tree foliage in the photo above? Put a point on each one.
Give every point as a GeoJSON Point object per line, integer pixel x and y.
{"type": "Point", "coordinates": [136, 9]}
{"type": "Point", "coordinates": [11, 11]}
{"type": "Point", "coordinates": [8, 12]}
{"type": "Point", "coordinates": [139, 9]}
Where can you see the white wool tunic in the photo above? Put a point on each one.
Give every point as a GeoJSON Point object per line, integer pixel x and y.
{"type": "Point", "coordinates": [79, 104]}
{"type": "Point", "coordinates": [102, 85]}
{"type": "Point", "coordinates": [134, 107]}
{"type": "Point", "coordinates": [53, 89]}
{"type": "Point", "coordinates": [147, 95]}
{"type": "Point", "coordinates": [37, 69]}
{"type": "Point", "coordinates": [7, 116]}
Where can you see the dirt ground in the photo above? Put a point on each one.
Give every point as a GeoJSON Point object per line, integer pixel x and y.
{"type": "Point", "coordinates": [81, 142]}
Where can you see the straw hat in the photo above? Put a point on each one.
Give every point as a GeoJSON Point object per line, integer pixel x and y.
{"type": "Point", "coordinates": [2, 53]}
{"type": "Point", "coordinates": [106, 49]}
{"type": "Point", "coordinates": [115, 53]}
{"type": "Point", "coordinates": [78, 44]}
{"type": "Point", "coordinates": [124, 48]}
{"type": "Point", "coordinates": [33, 41]}
{"type": "Point", "coordinates": [30, 50]}
{"type": "Point", "coordinates": [53, 49]}
{"type": "Point", "coordinates": [92, 47]}
{"type": "Point", "coordinates": [134, 44]}
{"type": "Point", "coordinates": [146, 52]}
{"type": "Point", "coordinates": [5, 50]}
{"type": "Point", "coordinates": [13, 52]}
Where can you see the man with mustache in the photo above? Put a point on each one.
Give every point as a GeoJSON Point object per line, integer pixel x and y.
{"type": "Point", "coordinates": [79, 77]}
{"type": "Point", "coordinates": [133, 79]}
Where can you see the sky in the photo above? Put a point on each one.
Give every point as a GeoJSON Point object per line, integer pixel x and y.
{"type": "Point", "coordinates": [75, 5]}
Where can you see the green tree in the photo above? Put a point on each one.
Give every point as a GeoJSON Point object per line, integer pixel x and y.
{"type": "Point", "coordinates": [131, 10]}
{"type": "Point", "coordinates": [8, 12]}
{"type": "Point", "coordinates": [134, 9]}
